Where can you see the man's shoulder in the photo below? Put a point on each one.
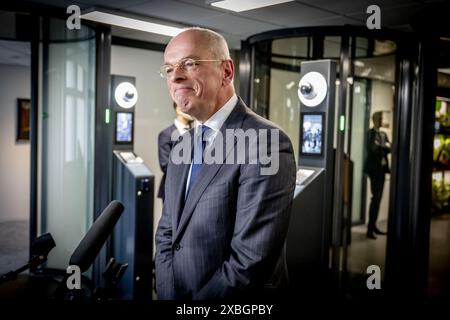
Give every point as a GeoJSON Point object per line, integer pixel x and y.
{"type": "Point", "coordinates": [168, 131]}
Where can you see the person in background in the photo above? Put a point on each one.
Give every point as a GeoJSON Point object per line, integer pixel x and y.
{"type": "Point", "coordinates": [181, 123]}
{"type": "Point", "coordinates": [376, 166]}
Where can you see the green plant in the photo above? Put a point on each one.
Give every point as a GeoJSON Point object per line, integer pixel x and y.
{"type": "Point", "coordinates": [440, 194]}
{"type": "Point", "coordinates": [441, 152]}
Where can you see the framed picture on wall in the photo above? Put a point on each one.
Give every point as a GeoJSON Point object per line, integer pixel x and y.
{"type": "Point", "coordinates": [23, 119]}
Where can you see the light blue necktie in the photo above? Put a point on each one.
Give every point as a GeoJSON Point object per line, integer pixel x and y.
{"type": "Point", "coordinates": [199, 147]}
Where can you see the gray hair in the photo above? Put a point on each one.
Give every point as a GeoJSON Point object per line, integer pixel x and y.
{"type": "Point", "coordinates": [216, 42]}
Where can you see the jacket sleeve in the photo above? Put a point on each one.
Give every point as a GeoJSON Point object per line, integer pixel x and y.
{"type": "Point", "coordinates": [375, 147]}
{"type": "Point", "coordinates": [165, 145]}
{"type": "Point", "coordinates": [163, 258]}
{"type": "Point", "coordinates": [262, 218]}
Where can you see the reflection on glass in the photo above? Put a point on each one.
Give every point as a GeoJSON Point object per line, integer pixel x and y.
{"type": "Point", "coordinates": [331, 47]}
{"type": "Point", "coordinates": [284, 105]}
{"type": "Point", "coordinates": [67, 148]}
{"type": "Point", "coordinates": [291, 47]}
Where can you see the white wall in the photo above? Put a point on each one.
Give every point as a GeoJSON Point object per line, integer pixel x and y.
{"type": "Point", "coordinates": [15, 156]}
{"type": "Point", "coordinates": [154, 109]}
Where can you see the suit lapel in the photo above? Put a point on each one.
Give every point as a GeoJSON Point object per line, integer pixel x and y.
{"type": "Point", "coordinates": [180, 172]}
{"type": "Point", "coordinates": [208, 172]}
{"type": "Point", "coordinates": [179, 177]}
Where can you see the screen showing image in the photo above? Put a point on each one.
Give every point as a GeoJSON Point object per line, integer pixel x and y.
{"type": "Point", "coordinates": [124, 127]}
{"type": "Point", "coordinates": [312, 134]}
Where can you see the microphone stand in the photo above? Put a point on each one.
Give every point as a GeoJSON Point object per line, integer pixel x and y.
{"type": "Point", "coordinates": [34, 262]}
{"type": "Point", "coordinates": [112, 275]}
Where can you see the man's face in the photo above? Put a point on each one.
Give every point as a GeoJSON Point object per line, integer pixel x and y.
{"type": "Point", "coordinates": [378, 120]}
{"type": "Point", "coordinates": [195, 92]}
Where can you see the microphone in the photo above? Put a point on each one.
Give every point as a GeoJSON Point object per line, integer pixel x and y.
{"type": "Point", "coordinates": [88, 248]}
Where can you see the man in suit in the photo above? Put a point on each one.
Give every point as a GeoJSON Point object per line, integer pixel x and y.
{"type": "Point", "coordinates": [181, 124]}
{"type": "Point", "coordinates": [224, 224]}
{"type": "Point", "coordinates": [376, 166]}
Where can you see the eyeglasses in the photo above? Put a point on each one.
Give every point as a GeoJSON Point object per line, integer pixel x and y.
{"type": "Point", "coordinates": [187, 65]}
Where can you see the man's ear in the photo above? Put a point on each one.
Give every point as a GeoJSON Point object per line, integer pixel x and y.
{"type": "Point", "coordinates": [228, 72]}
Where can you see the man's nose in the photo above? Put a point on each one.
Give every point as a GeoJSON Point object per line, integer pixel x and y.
{"type": "Point", "coordinates": [177, 74]}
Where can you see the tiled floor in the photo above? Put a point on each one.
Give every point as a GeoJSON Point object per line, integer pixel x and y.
{"type": "Point", "coordinates": [13, 245]}
{"type": "Point", "coordinates": [364, 252]}
{"type": "Point", "coordinates": [439, 268]}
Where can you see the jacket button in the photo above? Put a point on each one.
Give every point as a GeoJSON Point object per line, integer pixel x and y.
{"type": "Point", "coordinates": [177, 246]}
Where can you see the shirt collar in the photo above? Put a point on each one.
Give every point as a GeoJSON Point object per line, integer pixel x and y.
{"type": "Point", "coordinates": [216, 121]}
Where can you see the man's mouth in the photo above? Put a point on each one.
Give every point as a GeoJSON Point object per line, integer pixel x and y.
{"type": "Point", "coordinates": [183, 90]}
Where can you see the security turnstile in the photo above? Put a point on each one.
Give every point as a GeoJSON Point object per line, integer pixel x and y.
{"type": "Point", "coordinates": [308, 241]}
{"type": "Point", "coordinates": [132, 240]}
{"type": "Point", "coordinates": [306, 247]}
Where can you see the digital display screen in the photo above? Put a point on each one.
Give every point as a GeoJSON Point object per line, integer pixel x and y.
{"type": "Point", "coordinates": [124, 127]}
{"type": "Point", "coordinates": [312, 133]}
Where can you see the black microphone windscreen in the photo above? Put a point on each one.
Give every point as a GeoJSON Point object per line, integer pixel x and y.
{"type": "Point", "coordinates": [42, 245]}
{"type": "Point", "coordinates": [85, 253]}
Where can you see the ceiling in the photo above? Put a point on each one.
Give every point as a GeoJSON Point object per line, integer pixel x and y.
{"type": "Point", "coordinates": [239, 26]}
{"type": "Point", "coordinates": [234, 26]}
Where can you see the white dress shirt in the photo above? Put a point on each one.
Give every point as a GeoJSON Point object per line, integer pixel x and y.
{"type": "Point", "coordinates": [214, 123]}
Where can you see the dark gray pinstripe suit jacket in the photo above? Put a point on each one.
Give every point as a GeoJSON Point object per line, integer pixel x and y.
{"type": "Point", "coordinates": [226, 240]}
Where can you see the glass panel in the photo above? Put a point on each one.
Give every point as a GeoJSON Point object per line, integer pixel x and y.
{"type": "Point", "coordinates": [444, 78]}
{"type": "Point", "coordinates": [331, 47]}
{"type": "Point", "coordinates": [359, 127]}
{"type": "Point", "coordinates": [377, 68]}
{"type": "Point", "coordinates": [362, 47]}
{"type": "Point", "coordinates": [261, 75]}
{"type": "Point", "coordinates": [384, 47]}
{"type": "Point", "coordinates": [67, 147]}
{"type": "Point", "coordinates": [374, 79]}
{"type": "Point", "coordinates": [284, 105]}
{"type": "Point", "coordinates": [291, 47]}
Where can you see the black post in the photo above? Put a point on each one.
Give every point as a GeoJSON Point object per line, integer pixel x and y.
{"type": "Point", "coordinates": [337, 223]}
{"type": "Point", "coordinates": [34, 120]}
{"type": "Point", "coordinates": [409, 216]}
{"type": "Point", "coordinates": [103, 136]}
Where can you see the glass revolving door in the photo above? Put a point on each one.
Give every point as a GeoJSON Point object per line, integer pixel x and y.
{"type": "Point", "coordinates": [275, 59]}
